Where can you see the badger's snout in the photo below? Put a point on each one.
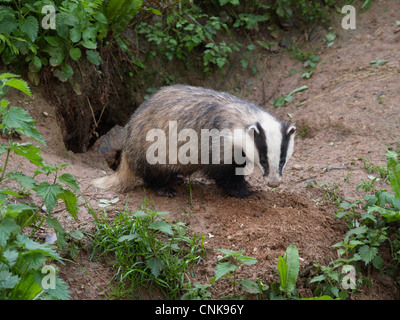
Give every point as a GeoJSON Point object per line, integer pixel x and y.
{"type": "Point", "coordinates": [273, 182]}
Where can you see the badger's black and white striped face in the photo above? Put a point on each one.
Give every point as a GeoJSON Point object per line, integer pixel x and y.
{"type": "Point", "coordinates": [274, 143]}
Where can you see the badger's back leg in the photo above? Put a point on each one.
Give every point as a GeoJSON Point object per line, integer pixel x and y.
{"type": "Point", "coordinates": [226, 178]}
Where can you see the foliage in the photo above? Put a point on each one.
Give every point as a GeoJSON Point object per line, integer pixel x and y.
{"type": "Point", "coordinates": [283, 100]}
{"type": "Point", "coordinates": [21, 258]}
{"type": "Point", "coordinates": [182, 32]}
{"type": "Point", "coordinates": [372, 221]}
{"type": "Point", "coordinates": [80, 27]}
{"type": "Point", "coordinates": [308, 11]}
{"type": "Point", "coordinates": [228, 265]}
{"type": "Point", "coordinates": [148, 250]}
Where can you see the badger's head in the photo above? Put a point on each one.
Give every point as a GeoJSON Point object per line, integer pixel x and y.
{"type": "Point", "coordinates": [274, 143]}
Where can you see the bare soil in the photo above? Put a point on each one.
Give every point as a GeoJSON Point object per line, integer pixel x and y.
{"type": "Point", "coordinates": [351, 110]}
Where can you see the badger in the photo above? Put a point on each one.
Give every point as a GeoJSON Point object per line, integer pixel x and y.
{"type": "Point", "coordinates": [165, 141]}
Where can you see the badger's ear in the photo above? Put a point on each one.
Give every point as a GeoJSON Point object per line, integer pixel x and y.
{"type": "Point", "coordinates": [291, 129]}
{"type": "Point", "coordinates": [255, 127]}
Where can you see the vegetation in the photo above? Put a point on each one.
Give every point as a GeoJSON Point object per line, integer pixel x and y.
{"type": "Point", "coordinates": [21, 258]}
{"type": "Point", "coordinates": [147, 251]}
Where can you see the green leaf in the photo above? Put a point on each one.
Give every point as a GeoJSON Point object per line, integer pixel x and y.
{"type": "Point", "coordinates": [75, 53]}
{"type": "Point", "coordinates": [75, 35]}
{"type": "Point", "coordinates": [7, 227]}
{"type": "Point", "coordinates": [100, 17]}
{"type": "Point", "coordinates": [7, 280]}
{"type": "Point", "coordinates": [248, 261]}
{"type": "Point", "coordinates": [60, 292]}
{"type": "Point", "coordinates": [20, 85]}
{"type": "Point", "coordinates": [57, 56]}
{"type": "Point", "coordinates": [30, 27]}
{"type": "Point", "coordinates": [20, 120]}
{"type": "Point", "coordinates": [50, 193]}
{"type": "Point", "coordinates": [93, 57]}
{"type": "Point", "coordinates": [162, 226]}
{"type": "Point", "coordinates": [64, 73]}
{"type": "Point", "coordinates": [70, 201]}
{"type": "Point", "coordinates": [282, 269]}
{"type": "Point", "coordinates": [27, 182]}
{"type": "Point", "coordinates": [25, 242]}
{"type": "Point", "coordinates": [367, 253]}
{"type": "Point", "coordinates": [394, 172]}
{"type": "Point", "coordinates": [70, 181]}
{"type": "Point", "coordinates": [155, 265]}
{"type": "Point", "coordinates": [289, 266]}
{"type": "Point", "coordinates": [28, 151]}
{"type": "Point", "coordinates": [223, 268]}
{"type": "Point", "coordinates": [250, 286]}
{"type": "Point", "coordinates": [121, 14]}
{"type": "Point", "coordinates": [35, 65]}
{"type": "Point", "coordinates": [26, 289]}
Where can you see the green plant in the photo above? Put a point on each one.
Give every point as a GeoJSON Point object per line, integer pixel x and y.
{"type": "Point", "coordinates": [80, 30]}
{"type": "Point", "coordinates": [15, 121]}
{"type": "Point", "coordinates": [372, 222]}
{"type": "Point", "coordinates": [21, 258]}
{"type": "Point", "coordinates": [307, 11]}
{"type": "Point", "coordinates": [182, 32]}
{"type": "Point", "coordinates": [198, 292]}
{"type": "Point", "coordinates": [281, 101]}
{"type": "Point", "coordinates": [288, 270]}
{"type": "Point", "coordinates": [146, 250]}
{"type": "Point", "coordinates": [228, 265]}
{"type": "Point", "coordinates": [22, 275]}
{"type": "Point", "coordinates": [371, 168]}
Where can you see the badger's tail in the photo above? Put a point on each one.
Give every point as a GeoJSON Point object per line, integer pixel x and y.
{"type": "Point", "coordinates": [121, 181]}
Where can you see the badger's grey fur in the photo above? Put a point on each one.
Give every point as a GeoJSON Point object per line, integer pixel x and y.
{"type": "Point", "coordinates": [198, 108]}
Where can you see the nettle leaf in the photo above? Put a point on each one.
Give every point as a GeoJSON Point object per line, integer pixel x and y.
{"type": "Point", "coordinates": [27, 182]}
{"type": "Point", "coordinates": [155, 265]}
{"type": "Point", "coordinates": [7, 227]}
{"type": "Point", "coordinates": [70, 181]}
{"type": "Point", "coordinates": [19, 85]}
{"type": "Point", "coordinates": [248, 261]}
{"type": "Point", "coordinates": [162, 226]}
{"type": "Point", "coordinates": [50, 193]}
{"type": "Point", "coordinates": [223, 269]}
{"type": "Point", "coordinates": [26, 289]}
{"type": "Point", "coordinates": [28, 151]}
{"type": "Point", "coordinates": [20, 120]}
{"type": "Point", "coordinates": [25, 242]}
{"type": "Point", "coordinates": [8, 280]}
{"type": "Point", "coordinates": [70, 201]}
{"type": "Point", "coordinates": [60, 291]}
{"type": "Point", "coordinates": [367, 253]}
{"type": "Point", "coordinates": [250, 286]}
{"type": "Point", "coordinates": [30, 27]}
